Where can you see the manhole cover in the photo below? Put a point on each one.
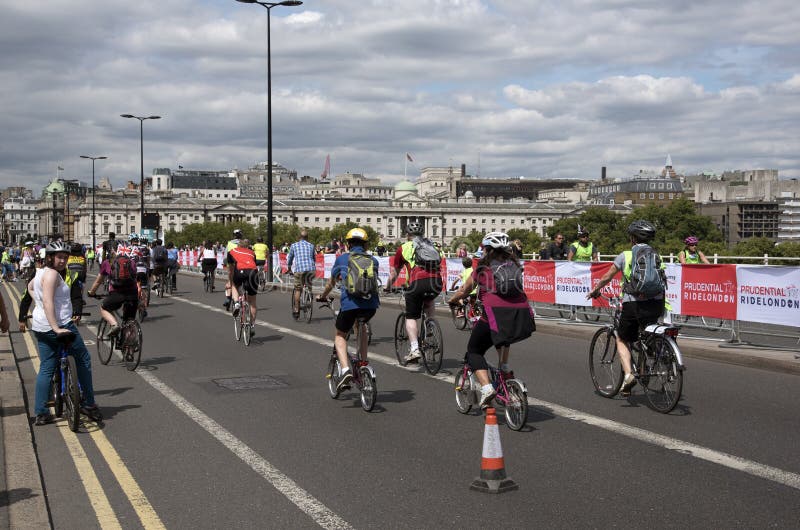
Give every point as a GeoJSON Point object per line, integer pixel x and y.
{"type": "Point", "coordinates": [250, 382]}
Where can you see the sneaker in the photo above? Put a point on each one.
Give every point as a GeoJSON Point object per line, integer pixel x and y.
{"type": "Point", "coordinates": [296, 314]}
{"type": "Point", "coordinates": [486, 398]}
{"type": "Point", "coordinates": [93, 412]}
{"type": "Point", "coordinates": [412, 356]}
{"type": "Point", "coordinates": [346, 377]}
{"type": "Point", "coordinates": [627, 383]}
{"type": "Point", "coordinates": [44, 419]}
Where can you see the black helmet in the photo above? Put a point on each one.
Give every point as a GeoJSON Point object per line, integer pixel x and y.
{"type": "Point", "coordinates": [76, 249]}
{"type": "Point", "coordinates": [415, 229]}
{"type": "Point", "coordinates": [56, 247]}
{"type": "Point", "coordinates": [642, 231]}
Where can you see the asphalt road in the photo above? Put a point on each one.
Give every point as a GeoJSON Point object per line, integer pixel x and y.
{"type": "Point", "coordinates": [177, 449]}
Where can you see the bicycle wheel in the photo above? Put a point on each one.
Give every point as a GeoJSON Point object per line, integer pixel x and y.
{"type": "Point", "coordinates": [712, 324]}
{"type": "Point", "coordinates": [162, 280]}
{"type": "Point", "coordinates": [369, 389]}
{"type": "Point", "coordinates": [459, 321]}
{"type": "Point", "coordinates": [590, 313]}
{"type": "Point", "coordinates": [55, 392]}
{"type": "Point", "coordinates": [295, 310]}
{"type": "Point", "coordinates": [306, 304]}
{"type": "Point", "coordinates": [432, 346]}
{"type": "Point", "coordinates": [400, 339]}
{"type": "Point", "coordinates": [516, 409]}
{"type": "Point", "coordinates": [247, 323]}
{"type": "Point", "coordinates": [72, 399]}
{"type": "Point", "coordinates": [132, 345]}
{"type": "Point", "coordinates": [262, 280]}
{"type": "Point", "coordinates": [207, 282]}
{"type": "Point", "coordinates": [606, 372]}
{"type": "Point", "coordinates": [333, 377]}
{"type": "Point", "coordinates": [463, 386]}
{"type": "Point", "coordinates": [664, 381]}
{"type": "Point", "coordinates": [237, 325]}
{"type": "Point", "coordinates": [105, 344]}
{"type": "Point", "coordinates": [141, 309]}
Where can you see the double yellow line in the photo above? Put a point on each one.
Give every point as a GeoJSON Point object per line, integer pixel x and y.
{"type": "Point", "coordinates": [94, 491]}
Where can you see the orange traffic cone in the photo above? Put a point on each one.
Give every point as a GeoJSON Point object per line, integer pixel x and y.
{"type": "Point", "coordinates": [493, 468]}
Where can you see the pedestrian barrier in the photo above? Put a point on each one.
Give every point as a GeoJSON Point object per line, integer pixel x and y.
{"type": "Point", "coordinates": [493, 477]}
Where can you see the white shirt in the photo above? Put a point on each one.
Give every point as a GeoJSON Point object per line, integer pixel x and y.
{"type": "Point", "coordinates": [62, 303]}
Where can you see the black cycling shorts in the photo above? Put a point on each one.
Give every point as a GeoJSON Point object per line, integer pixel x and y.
{"type": "Point", "coordinates": [208, 264]}
{"type": "Point", "coordinates": [247, 278]}
{"type": "Point", "coordinates": [420, 292]}
{"type": "Point", "coordinates": [346, 319]}
{"type": "Point", "coordinates": [128, 301]}
{"type": "Point", "coordinates": [638, 314]}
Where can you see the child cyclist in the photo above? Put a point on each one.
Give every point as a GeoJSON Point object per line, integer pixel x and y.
{"type": "Point", "coordinates": [352, 308]}
{"type": "Point", "coordinates": [507, 317]}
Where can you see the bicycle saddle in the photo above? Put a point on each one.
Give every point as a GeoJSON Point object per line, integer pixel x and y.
{"type": "Point", "coordinates": [65, 338]}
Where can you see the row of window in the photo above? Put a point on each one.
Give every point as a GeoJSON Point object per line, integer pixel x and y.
{"type": "Point", "coordinates": [653, 196]}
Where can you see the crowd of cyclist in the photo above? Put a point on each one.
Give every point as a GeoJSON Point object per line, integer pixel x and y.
{"type": "Point", "coordinates": [58, 272]}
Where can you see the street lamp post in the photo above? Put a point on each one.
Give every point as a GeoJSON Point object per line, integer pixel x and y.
{"type": "Point", "coordinates": [141, 158]}
{"type": "Point", "coordinates": [93, 158]}
{"type": "Point", "coordinates": [269, 6]}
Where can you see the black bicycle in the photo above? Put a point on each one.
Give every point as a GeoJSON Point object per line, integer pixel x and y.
{"type": "Point", "coordinates": [656, 362]}
{"type": "Point", "coordinates": [431, 342]}
{"type": "Point", "coordinates": [127, 340]}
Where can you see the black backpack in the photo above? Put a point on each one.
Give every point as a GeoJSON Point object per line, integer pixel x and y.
{"type": "Point", "coordinates": [507, 277]}
{"type": "Point", "coordinates": [160, 254]}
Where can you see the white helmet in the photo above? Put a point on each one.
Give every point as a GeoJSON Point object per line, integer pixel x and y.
{"type": "Point", "coordinates": [495, 240]}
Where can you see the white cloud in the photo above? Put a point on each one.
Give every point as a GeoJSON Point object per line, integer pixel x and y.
{"type": "Point", "coordinates": [538, 88]}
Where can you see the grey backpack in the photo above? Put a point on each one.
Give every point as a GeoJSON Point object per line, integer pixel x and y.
{"type": "Point", "coordinates": [426, 255]}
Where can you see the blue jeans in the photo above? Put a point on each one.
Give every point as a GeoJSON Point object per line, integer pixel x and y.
{"type": "Point", "coordinates": [48, 355]}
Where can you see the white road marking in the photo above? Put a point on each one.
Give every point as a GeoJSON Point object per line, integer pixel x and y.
{"type": "Point", "coordinates": [780, 476]}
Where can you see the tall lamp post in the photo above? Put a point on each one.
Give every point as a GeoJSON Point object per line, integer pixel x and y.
{"type": "Point", "coordinates": [141, 158]}
{"type": "Point", "coordinates": [269, 6]}
{"type": "Point", "coordinates": [93, 158]}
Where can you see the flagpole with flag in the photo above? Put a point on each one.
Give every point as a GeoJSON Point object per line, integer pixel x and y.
{"type": "Point", "coordinates": [405, 169]}
{"type": "Point", "coordinates": [327, 169]}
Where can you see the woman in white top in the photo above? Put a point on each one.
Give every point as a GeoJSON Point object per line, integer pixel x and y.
{"type": "Point", "coordinates": [52, 316]}
{"type": "Point", "coordinates": [208, 261]}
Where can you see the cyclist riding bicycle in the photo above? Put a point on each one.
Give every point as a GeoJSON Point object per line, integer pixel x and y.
{"type": "Point", "coordinates": [583, 249]}
{"type": "Point", "coordinates": [243, 275]}
{"type": "Point", "coordinates": [465, 274]}
{"type": "Point", "coordinates": [159, 256]}
{"type": "Point", "coordinates": [172, 264]}
{"type": "Point", "coordinates": [232, 244]}
{"type": "Point", "coordinates": [305, 268]}
{"type": "Point", "coordinates": [352, 307]}
{"type": "Point", "coordinates": [53, 316]}
{"type": "Point", "coordinates": [123, 291]}
{"type": "Point", "coordinates": [260, 249]}
{"type": "Point", "coordinates": [425, 281]}
{"type": "Point", "coordinates": [637, 311]}
{"type": "Point", "coordinates": [690, 255]}
{"type": "Point", "coordinates": [208, 263]}
{"type": "Point", "coordinates": [507, 317]}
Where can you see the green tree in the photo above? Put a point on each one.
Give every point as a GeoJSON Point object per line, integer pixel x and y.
{"type": "Point", "coordinates": [472, 240]}
{"type": "Point", "coordinates": [787, 250]}
{"type": "Point", "coordinates": [755, 246]}
{"type": "Point", "coordinates": [531, 241]}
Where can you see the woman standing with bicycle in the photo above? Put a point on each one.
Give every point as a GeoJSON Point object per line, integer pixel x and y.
{"type": "Point", "coordinates": [53, 316]}
{"type": "Point", "coordinates": [507, 317]}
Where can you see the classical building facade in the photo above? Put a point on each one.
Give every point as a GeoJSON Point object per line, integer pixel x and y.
{"type": "Point", "coordinates": [19, 219]}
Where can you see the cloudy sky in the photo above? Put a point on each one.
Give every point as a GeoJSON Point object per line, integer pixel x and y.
{"type": "Point", "coordinates": [554, 88]}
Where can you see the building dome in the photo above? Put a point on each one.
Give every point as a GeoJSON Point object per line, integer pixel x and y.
{"type": "Point", "coordinates": [54, 187]}
{"type": "Point", "coordinates": [405, 185]}
{"type": "Point", "coordinates": [469, 195]}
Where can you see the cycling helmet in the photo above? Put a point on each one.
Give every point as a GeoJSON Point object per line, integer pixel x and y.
{"type": "Point", "coordinates": [237, 232]}
{"type": "Point", "coordinates": [642, 231]}
{"type": "Point", "coordinates": [356, 233]}
{"type": "Point", "coordinates": [56, 247]}
{"type": "Point", "coordinates": [495, 240]}
{"type": "Point", "coordinates": [76, 249]}
{"type": "Point", "coordinates": [133, 236]}
{"type": "Point", "coordinates": [582, 232]}
{"type": "Point", "coordinates": [27, 244]}
{"type": "Point", "coordinates": [691, 240]}
{"type": "Point", "coordinates": [415, 229]}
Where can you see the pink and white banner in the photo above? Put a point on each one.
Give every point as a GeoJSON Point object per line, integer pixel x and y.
{"type": "Point", "coordinates": [768, 294]}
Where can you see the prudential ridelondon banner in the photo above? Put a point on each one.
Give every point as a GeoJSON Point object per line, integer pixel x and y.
{"type": "Point", "coordinates": [768, 294]}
